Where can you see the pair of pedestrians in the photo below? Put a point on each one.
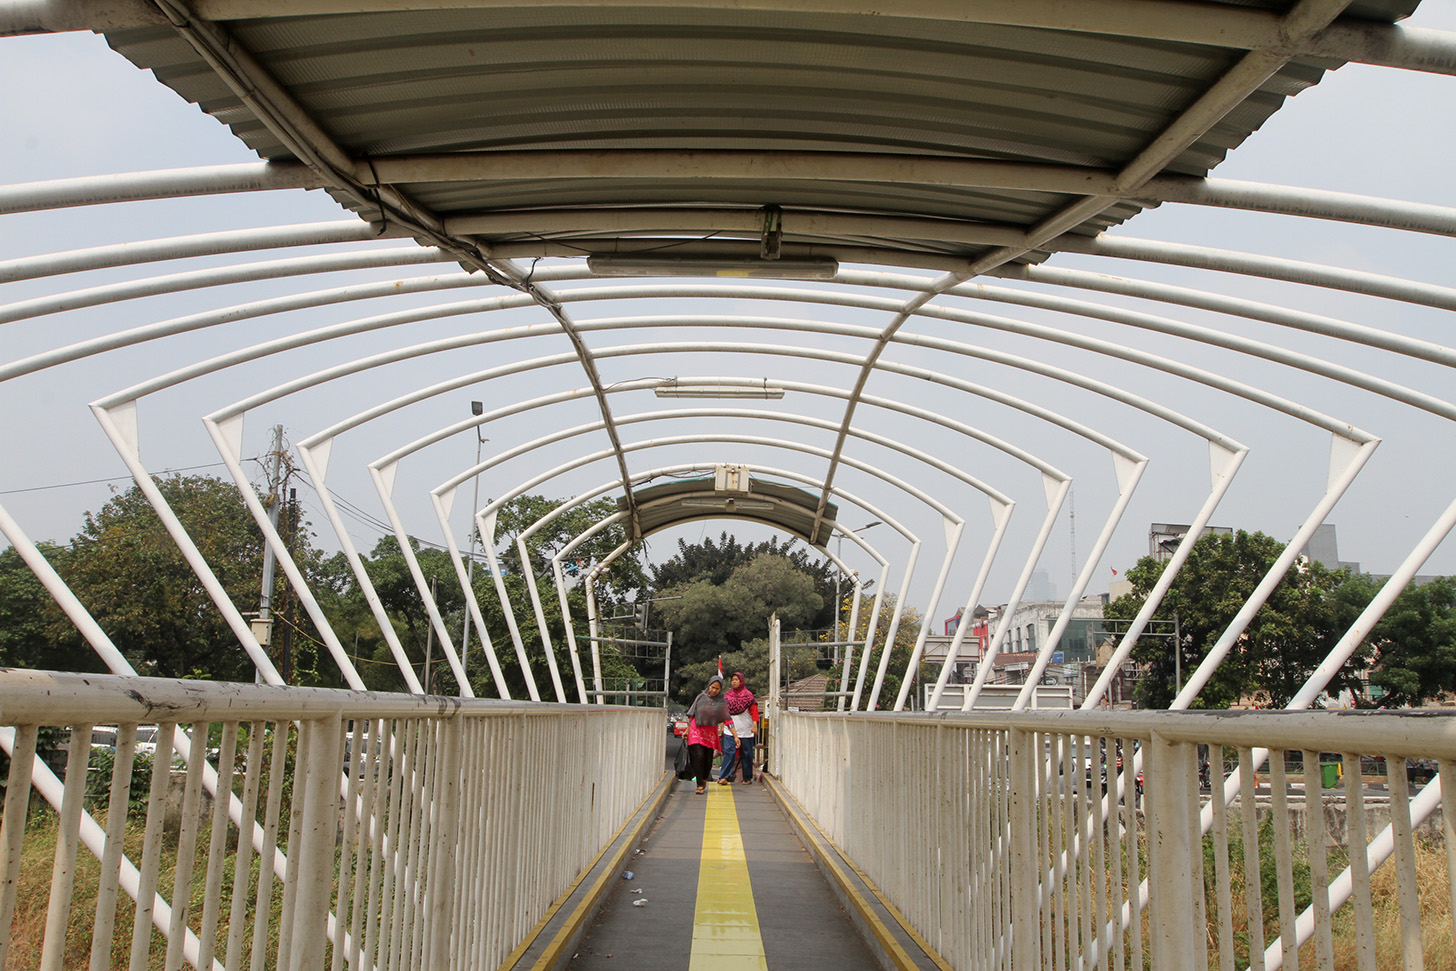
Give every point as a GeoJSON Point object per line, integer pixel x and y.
{"type": "Point", "coordinates": [722, 721]}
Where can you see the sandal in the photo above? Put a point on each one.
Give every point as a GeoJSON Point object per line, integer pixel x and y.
{"type": "Point", "coordinates": [725, 782]}
{"type": "Point", "coordinates": [748, 782]}
{"type": "Point", "coordinates": [702, 789]}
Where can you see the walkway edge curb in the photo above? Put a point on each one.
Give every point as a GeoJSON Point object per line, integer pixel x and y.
{"type": "Point", "coordinates": [895, 944]}
{"type": "Point", "coordinates": [570, 928]}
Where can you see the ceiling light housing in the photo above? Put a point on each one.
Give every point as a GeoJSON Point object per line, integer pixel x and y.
{"type": "Point", "coordinates": [672, 389]}
{"type": "Point", "coordinates": [726, 266]}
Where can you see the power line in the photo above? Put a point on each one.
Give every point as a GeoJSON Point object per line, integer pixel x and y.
{"type": "Point", "coordinates": [114, 478]}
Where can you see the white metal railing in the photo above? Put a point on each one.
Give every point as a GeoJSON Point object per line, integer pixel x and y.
{"type": "Point", "coordinates": [994, 835]}
{"type": "Point", "coordinates": [355, 829]}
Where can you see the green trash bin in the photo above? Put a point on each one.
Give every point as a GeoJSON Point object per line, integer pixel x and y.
{"type": "Point", "coordinates": [1330, 774]}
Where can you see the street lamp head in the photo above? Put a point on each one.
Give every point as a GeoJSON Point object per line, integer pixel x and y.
{"type": "Point", "coordinates": [477, 408]}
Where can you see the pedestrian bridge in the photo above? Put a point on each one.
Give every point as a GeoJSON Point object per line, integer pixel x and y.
{"type": "Point", "coordinates": [311, 828]}
{"type": "Point", "coordinates": [912, 265]}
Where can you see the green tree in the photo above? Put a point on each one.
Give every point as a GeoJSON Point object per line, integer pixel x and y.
{"type": "Point", "coordinates": [1414, 644]}
{"type": "Point", "coordinates": [127, 571]}
{"type": "Point", "coordinates": [1286, 640]}
{"type": "Point", "coordinates": [710, 619]}
{"type": "Point", "coordinates": [623, 580]}
{"type": "Point", "coordinates": [715, 562]}
{"type": "Point", "coordinates": [900, 651]}
{"type": "Point", "coordinates": [33, 631]}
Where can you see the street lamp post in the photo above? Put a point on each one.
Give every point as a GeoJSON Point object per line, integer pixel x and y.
{"type": "Point", "coordinates": [477, 408]}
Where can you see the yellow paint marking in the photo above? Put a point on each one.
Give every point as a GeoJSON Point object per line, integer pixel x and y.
{"type": "Point", "coordinates": [725, 925]}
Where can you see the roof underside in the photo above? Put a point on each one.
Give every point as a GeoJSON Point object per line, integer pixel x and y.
{"type": "Point", "coordinates": [668, 504]}
{"type": "Point", "coordinates": [578, 79]}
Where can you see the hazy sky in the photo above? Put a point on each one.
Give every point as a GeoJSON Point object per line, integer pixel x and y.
{"type": "Point", "coordinates": [71, 107]}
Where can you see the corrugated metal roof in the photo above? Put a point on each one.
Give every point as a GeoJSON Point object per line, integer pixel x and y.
{"type": "Point", "coordinates": [573, 78]}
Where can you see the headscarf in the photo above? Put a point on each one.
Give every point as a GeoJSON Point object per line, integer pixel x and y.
{"type": "Point", "coordinates": [739, 700]}
{"type": "Point", "coordinates": [707, 710]}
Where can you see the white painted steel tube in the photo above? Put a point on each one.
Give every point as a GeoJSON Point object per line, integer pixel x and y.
{"type": "Point", "coordinates": [160, 184]}
{"type": "Point", "coordinates": [187, 247]}
{"type": "Point", "coordinates": [872, 702]}
{"type": "Point", "coordinates": [1236, 306]}
{"type": "Point", "coordinates": [1128, 476]}
{"type": "Point", "coordinates": [384, 486]}
{"type": "Point", "coordinates": [471, 603]}
{"type": "Point", "coordinates": [1003, 624]}
{"type": "Point", "coordinates": [1002, 518]}
{"type": "Point", "coordinates": [120, 427]}
{"type": "Point", "coordinates": [216, 277]}
{"type": "Point", "coordinates": [1274, 268]}
{"type": "Point", "coordinates": [954, 529]}
{"type": "Point", "coordinates": [1224, 465]}
{"type": "Point", "coordinates": [315, 463]}
{"type": "Point", "coordinates": [228, 440]}
{"type": "Point", "coordinates": [1347, 458]}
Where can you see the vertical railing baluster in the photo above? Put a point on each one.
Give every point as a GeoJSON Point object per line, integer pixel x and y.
{"type": "Point", "coordinates": [352, 739]}
{"type": "Point", "coordinates": [1024, 864]}
{"type": "Point", "coordinates": [1447, 775]}
{"type": "Point", "coordinates": [217, 845]}
{"type": "Point", "coordinates": [1223, 902]}
{"type": "Point", "coordinates": [437, 949]}
{"type": "Point", "coordinates": [1319, 872]}
{"type": "Point", "coordinates": [273, 809]}
{"type": "Point", "coordinates": [1283, 860]}
{"type": "Point", "coordinates": [320, 758]}
{"type": "Point", "coordinates": [297, 803]}
{"type": "Point", "coordinates": [242, 862]}
{"type": "Point", "coordinates": [22, 761]}
{"type": "Point", "coordinates": [63, 871]}
{"type": "Point", "coordinates": [1253, 879]}
{"type": "Point", "coordinates": [1098, 804]}
{"type": "Point", "coordinates": [141, 930]}
{"type": "Point", "coordinates": [1121, 791]}
{"type": "Point", "coordinates": [1170, 845]}
{"type": "Point", "coordinates": [186, 846]}
{"type": "Point", "coordinates": [1197, 882]}
{"type": "Point", "coordinates": [108, 885]}
{"type": "Point", "coordinates": [1356, 839]}
{"type": "Point", "coordinates": [381, 838]}
{"type": "Point", "coordinates": [1405, 864]}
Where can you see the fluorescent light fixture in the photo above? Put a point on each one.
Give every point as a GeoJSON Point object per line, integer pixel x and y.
{"type": "Point", "coordinates": [650, 265]}
{"type": "Point", "coordinates": [727, 505]}
{"type": "Point", "coordinates": [672, 389]}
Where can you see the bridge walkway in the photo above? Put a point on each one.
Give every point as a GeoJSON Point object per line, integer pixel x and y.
{"type": "Point", "coordinates": [722, 882]}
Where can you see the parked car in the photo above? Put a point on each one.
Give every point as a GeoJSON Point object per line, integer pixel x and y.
{"type": "Point", "coordinates": [146, 740]}
{"type": "Point", "coordinates": [680, 726]}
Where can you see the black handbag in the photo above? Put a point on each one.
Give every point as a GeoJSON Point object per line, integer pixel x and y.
{"type": "Point", "coordinates": [681, 767]}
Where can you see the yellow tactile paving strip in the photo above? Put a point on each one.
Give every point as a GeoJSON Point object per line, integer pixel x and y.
{"type": "Point", "coordinates": [725, 924]}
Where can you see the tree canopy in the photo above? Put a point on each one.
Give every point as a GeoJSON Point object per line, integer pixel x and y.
{"type": "Point", "coordinates": [1414, 644]}
{"type": "Point", "coordinates": [1410, 653]}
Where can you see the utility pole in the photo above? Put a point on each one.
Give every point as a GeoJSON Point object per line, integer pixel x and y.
{"type": "Point", "coordinates": [263, 626]}
{"type": "Point", "coordinates": [477, 408]}
{"type": "Point", "coordinates": [1072, 519]}
{"type": "Point", "coordinates": [289, 618]}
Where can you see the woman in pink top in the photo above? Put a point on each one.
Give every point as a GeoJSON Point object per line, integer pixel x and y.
{"type": "Point", "coordinates": [707, 712]}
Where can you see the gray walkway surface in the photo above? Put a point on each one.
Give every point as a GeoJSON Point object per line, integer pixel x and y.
{"type": "Point", "coordinates": [801, 922]}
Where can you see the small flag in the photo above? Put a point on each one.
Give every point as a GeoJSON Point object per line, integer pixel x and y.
{"type": "Point", "coordinates": [1113, 569]}
{"type": "Point", "coordinates": [720, 665]}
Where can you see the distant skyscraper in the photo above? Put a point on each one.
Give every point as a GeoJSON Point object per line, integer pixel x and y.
{"type": "Point", "coordinates": [1041, 587]}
